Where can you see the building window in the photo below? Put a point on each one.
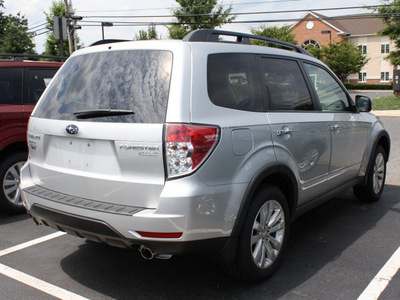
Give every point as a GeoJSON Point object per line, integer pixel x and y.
{"type": "Point", "coordinates": [385, 76]}
{"type": "Point", "coordinates": [385, 48]}
{"type": "Point", "coordinates": [310, 43]}
{"type": "Point", "coordinates": [362, 76]}
{"type": "Point", "coordinates": [363, 49]}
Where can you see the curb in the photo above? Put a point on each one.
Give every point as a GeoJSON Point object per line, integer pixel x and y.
{"type": "Point", "coordinates": [386, 113]}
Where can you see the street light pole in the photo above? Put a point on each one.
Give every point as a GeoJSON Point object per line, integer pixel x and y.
{"type": "Point", "coordinates": [330, 35]}
{"type": "Point", "coordinates": [105, 24]}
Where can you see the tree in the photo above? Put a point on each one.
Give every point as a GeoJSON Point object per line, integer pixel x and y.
{"type": "Point", "coordinates": [391, 18]}
{"type": "Point", "coordinates": [2, 21]}
{"type": "Point", "coordinates": [150, 34]}
{"type": "Point", "coordinates": [343, 58]}
{"type": "Point", "coordinates": [196, 14]}
{"type": "Point", "coordinates": [283, 33]}
{"type": "Point", "coordinates": [12, 27]}
{"type": "Point", "coordinates": [52, 46]}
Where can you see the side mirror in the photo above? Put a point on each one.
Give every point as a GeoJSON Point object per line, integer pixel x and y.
{"type": "Point", "coordinates": [363, 103]}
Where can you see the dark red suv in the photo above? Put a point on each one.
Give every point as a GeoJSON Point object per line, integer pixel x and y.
{"type": "Point", "coordinates": [21, 85]}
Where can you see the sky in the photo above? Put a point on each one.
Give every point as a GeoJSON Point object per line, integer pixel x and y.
{"type": "Point", "coordinates": [97, 10]}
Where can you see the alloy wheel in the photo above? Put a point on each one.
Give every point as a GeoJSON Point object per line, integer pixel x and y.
{"type": "Point", "coordinates": [379, 173]}
{"type": "Point", "coordinates": [267, 234]}
{"type": "Point", "coordinates": [11, 184]}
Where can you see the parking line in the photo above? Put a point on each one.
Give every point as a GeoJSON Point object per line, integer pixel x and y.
{"type": "Point", "coordinates": [29, 280]}
{"type": "Point", "coordinates": [382, 279]}
{"type": "Point", "coordinates": [31, 243]}
{"type": "Point", "coordinates": [39, 284]}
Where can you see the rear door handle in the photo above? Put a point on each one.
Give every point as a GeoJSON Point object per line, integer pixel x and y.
{"type": "Point", "coordinates": [284, 131]}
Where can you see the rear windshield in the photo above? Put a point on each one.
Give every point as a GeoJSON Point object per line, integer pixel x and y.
{"type": "Point", "coordinates": [135, 84]}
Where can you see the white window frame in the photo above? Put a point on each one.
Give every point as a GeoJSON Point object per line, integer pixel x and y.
{"type": "Point", "coordinates": [385, 48]}
{"type": "Point", "coordinates": [363, 76]}
{"type": "Point", "coordinates": [311, 43]}
{"type": "Point", "coordinates": [363, 49]}
{"type": "Point", "coordinates": [385, 76]}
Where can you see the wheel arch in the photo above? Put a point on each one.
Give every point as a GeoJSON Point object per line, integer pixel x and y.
{"type": "Point", "coordinates": [11, 149]}
{"type": "Point", "coordinates": [278, 175]}
{"type": "Point", "coordinates": [382, 139]}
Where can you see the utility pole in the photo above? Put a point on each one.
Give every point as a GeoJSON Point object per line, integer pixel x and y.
{"type": "Point", "coordinates": [68, 16]}
{"type": "Point", "coordinates": [73, 25]}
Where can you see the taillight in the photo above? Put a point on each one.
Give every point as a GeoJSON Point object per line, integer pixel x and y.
{"type": "Point", "coordinates": [188, 146]}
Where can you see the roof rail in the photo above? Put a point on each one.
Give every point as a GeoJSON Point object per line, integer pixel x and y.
{"type": "Point", "coordinates": [19, 56]}
{"type": "Point", "coordinates": [211, 35]}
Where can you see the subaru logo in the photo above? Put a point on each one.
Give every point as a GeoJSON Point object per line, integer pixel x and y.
{"type": "Point", "coordinates": [72, 129]}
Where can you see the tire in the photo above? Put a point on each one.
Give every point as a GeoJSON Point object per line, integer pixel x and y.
{"type": "Point", "coordinates": [372, 190]}
{"type": "Point", "coordinates": [260, 244]}
{"type": "Point", "coordinates": [10, 194]}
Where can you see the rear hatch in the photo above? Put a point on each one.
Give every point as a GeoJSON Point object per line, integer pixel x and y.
{"type": "Point", "coordinates": [97, 132]}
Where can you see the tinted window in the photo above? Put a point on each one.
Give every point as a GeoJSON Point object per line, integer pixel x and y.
{"type": "Point", "coordinates": [11, 86]}
{"type": "Point", "coordinates": [330, 95]}
{"type": "Point", "coordinates": [232, 81]}
{"type": "Point", "coordinates": [36, 81]}
{"type": "Point", "coordinates": [285, 83]}
{"type": "Point", "coordinates": [135, 81]}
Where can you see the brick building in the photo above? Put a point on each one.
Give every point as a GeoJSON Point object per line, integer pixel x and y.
{"type": "Point", "coordinates": [314, 29]}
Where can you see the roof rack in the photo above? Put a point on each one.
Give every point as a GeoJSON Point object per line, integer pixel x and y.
{"type": "Point", "coordinates": [210, 35]}
{"type": "Point", "coordinates": [20, 57]}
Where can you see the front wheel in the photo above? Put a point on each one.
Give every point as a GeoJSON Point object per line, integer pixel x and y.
{"type": "Point", "coordinates": [263, 238]}
{"type": "Point", "coordinates": [10, 194]}
{"type": "Point", "coordinates": [372, 190]}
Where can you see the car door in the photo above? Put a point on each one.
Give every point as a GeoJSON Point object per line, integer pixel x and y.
{"type": "Point", "coordinates": [349, 132]}
{"type": "Point", "coordinates": [300, 134]}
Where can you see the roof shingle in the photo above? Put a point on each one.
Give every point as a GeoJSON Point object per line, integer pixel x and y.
{"type": "Point", "coordinates": [358, 24]}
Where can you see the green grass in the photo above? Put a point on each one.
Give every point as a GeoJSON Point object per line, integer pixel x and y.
{"type": "Point", "coordinates": [386, 103]}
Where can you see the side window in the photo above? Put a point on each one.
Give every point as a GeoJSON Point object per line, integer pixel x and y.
{"type": "Point", "coordinates": [330, 95]}
{"type": "Point", "coordinates": [232, 81]}
{"type": "Point", "coordinates": [36, 81]}
{"type": "Point", "coordinates": [287, 89]}
{"type": "Point", "coordinates": [11, 86]}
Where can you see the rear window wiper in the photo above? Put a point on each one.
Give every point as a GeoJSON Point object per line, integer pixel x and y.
{"type": "Point", "coordinates": [99, 113]}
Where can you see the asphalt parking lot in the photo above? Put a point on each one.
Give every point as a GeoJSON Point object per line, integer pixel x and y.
{"type": "Point", "coordinates": [335, 252]}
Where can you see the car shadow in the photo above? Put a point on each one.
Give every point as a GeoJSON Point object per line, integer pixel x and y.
{"type": "Point", "coordinates": [8, 219]}
{"type": "Point", "coordinates": [317, 238]}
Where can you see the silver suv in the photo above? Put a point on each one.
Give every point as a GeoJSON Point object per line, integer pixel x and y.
{"type": "Point", "coordinates": [197, 145]}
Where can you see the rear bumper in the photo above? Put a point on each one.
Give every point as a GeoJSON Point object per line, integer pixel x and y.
{"type": "Point", "coordinates": [204, 215]}
{"type": "Point", "coordinates": [99, 231]}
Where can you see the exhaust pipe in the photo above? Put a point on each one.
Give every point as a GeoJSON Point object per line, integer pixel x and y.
{"type": "Point", "coordinates": [148, 254]}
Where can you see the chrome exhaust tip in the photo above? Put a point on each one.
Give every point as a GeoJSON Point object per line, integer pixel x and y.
{"type": "Point", "coordinates": [146, 253]}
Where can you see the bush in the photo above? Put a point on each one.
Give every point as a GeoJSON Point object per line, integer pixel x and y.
{"type": "Point", "coordinates": [365, 86]}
